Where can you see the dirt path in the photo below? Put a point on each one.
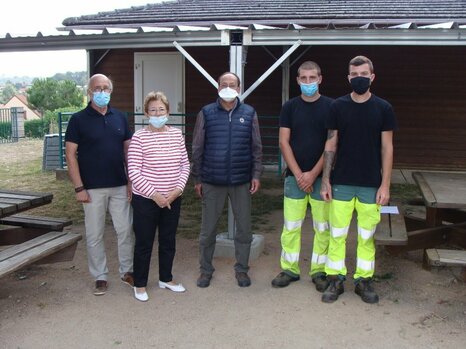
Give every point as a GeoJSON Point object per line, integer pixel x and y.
{"type": "Point", "coordinates": [52, 306]}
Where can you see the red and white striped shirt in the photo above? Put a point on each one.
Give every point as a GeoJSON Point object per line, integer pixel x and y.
{"type": "Point", "coordinates": [157, 162]}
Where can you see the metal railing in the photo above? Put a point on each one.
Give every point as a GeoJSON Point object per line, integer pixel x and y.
{"type": "Point", "coordinates": [268, 127]}
{"type": "Point", "coordinates": [9, 125]}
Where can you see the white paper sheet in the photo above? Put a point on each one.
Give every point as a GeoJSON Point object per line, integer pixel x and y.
{"type": "Point", "coordinates": [389, 209]}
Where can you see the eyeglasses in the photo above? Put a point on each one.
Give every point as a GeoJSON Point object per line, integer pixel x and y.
{"type": "Point", "coordinates": [102, 89]}
{"type": "Point", "coordinates": [159, 110]}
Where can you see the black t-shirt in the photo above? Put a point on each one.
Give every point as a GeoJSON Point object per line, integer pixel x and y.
{"type": "Point", "coordinates": [360, 127]}
{"type": "Point", "coordinates": [100, 141]}
{"type": "Point", "coordinates": [306, 121]}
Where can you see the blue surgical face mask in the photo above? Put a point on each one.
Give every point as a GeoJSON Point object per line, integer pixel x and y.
{"type": "Point", "coordinates": [101, 99]}
{"type": "Point", "coordinates": [158, 121]}
{"type": "Point", "coordinates": [309, 90]}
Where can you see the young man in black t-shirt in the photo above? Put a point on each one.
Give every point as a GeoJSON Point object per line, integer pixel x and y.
{"type": "Point", "coordinates": [302, 138]}
{"type": "Point", "coordinates": [359, 147]}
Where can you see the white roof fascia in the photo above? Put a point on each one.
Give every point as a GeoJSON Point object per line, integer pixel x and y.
{"type": "Point", "coordinates": [186, 28]}
{"type": "Point", "coordinates": [154, 29]}
{"type": "Point", "coordinates": [226, 27]}
{"type": "Point", "coordinates": [412, 37]}
{"type": "Point", "coordinates": [110, 41]}
{"type": "Point", "coordinates": [401, 26]}
{"type": "Point", "coordinates": [97, 40]}
{"type": "Point", "coordinates": [86, 31]}
{"type": "Point", "coordinates": [256, 26]}
{"type": "Point", "coordinates": [295, 26]}
{"type": "Point", "coordinates": [112, 30]}
{"type": "Point", "coordinates": [446, 25]}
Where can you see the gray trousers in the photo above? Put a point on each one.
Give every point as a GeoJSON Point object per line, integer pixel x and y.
{"type": "Point", "coordinates": [213, 202]}
{"type": "Point", "coordinates": [115, 200]}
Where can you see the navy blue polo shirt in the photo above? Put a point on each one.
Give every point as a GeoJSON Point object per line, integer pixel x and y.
{"type": "Point", "coordinates": [100, 141]}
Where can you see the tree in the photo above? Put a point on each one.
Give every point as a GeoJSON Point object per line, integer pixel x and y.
{"type": "Point", "coordinates": [49, 94]}
{"type": "Point", "coordinates": [80, 78]}
{"type": "Point", "coordinates": [9, 90]}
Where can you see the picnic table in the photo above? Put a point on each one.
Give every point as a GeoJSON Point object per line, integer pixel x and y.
{"type": "Point", "coordinates": [444, 198]}
{"type": "Point", "coordinates": [31, 239]}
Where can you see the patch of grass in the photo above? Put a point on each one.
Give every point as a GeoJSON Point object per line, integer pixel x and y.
{"type": "Point", "coordinates": [27, 175]}
{"type": "Point", "coordinates": [268, 199]}
{"type": "Point", "coordinates": [404, 192]}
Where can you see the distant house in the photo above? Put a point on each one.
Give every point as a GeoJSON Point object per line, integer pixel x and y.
{"type": "Point", "coordinates": [21, 101]}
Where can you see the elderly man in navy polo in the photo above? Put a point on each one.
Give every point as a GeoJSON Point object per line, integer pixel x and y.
{"type": "Point", "coordinates": [97, 140]}
{"type": "Point", "coordinates": [227, 162]}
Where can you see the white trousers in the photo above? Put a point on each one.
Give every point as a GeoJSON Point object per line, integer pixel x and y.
{"type": "Point", "coordinates": [115, 200]}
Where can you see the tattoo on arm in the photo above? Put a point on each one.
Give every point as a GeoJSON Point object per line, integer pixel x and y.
{"type": "Point", "coordinates": [329, 157]}
{"type": "Point", "coordinates": [330, 134]}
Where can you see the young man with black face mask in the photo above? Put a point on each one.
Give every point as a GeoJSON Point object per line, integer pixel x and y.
{"type": "Point", "coordinates": [359, 147]}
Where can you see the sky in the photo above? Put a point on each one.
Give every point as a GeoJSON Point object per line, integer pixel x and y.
{"type": "Point", "coordinates": [31, 16]}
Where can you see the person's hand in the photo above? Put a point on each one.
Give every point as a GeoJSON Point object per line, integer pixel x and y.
{"type": "Point", "coordinates": [255, 185]}
{"type": "Point", "coordinates": [198, 189]}
{"type": "Point", "coordinates": [326, 190]}
{"type": "Point", "coordinates": [306, 181]}
{"type": "Point", "coordinates": [383, 195]}
{"type": "Point", "coordinates": [83, 196]}
{"type": "Point", "coordinates": [129, 190]}
{"type": "Point", "coordinates": [161, 200]}
{"type": "Point", "coordinates": [174, 194]}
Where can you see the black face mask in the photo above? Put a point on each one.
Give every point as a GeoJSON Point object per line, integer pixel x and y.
{"type": "Point", "coordinates": [360, 84]}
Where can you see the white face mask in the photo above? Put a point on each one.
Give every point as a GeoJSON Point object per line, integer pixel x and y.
{"type": "Point", "coordinates": [228, 94]}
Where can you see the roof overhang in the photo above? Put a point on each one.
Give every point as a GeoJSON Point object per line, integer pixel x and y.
{"type": "Point", "coordinates": [253, 35]}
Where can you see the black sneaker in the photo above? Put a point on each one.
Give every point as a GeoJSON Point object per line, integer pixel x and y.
{"type": "Point", "coordinates": [365, 290]}
{"type": "Point", "coordinates": [334, 289]}
{"type": "Point", "coordinates": [283, 280]}
{"type": "Point", "coordinates": [321, 282]}
{"type": "Point", "coordinates": [243, 279]}
{"type": "Point", "coordinates": [203, 280]}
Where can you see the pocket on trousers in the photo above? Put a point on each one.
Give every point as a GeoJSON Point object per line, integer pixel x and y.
{"type": "Point", "coordinates": [291, 189]}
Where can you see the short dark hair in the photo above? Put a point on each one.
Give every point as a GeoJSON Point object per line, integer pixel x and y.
{"type": "Point", "coordinates": [229, 72]}
{"type": "Point", "coordinates": [309, 65]}
{"type": "Point", "coordinates": [360, 60]}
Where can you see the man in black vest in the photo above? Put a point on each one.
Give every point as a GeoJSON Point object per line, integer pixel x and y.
{"type": "Point", "coordinates": [227, 162]}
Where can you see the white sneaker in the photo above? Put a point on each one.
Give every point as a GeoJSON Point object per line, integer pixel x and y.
{"type": "Point", "coordinates": [143, 297]}
{"type": "Point", "coordinates": [174, 288]}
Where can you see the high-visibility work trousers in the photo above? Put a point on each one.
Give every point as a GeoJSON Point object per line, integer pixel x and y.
{"type": "Point", "coordinates": [294, 211]}
{"type": "Point", "coordinates": [340, 214]}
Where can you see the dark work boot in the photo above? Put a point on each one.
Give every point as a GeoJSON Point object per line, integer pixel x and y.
{"type": "Point", "coordinates": [203, 280]}
{"type": "Point", "coordinates": [283, 280]}
{"type": "Point", "coordinates": [321, 281]}
{"type": "Point", "coordinates": [334, 289]}
{"type": "Point", "coordinates": [365, 290]}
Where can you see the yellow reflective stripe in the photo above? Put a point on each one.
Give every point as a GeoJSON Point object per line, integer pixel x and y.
{"type": "Point", "coordinates": [292, 225]}
{"type": "Point", "coordinates": [335, 265]}
{"type": "Point", "coordinates": [290, 257]}
{"type": "Point", "coordinates": [321, 226]}
{"type": "Point", "coordinates": [365, 265]}
{"type": "Point", "coordinates": [319, 259]}
{"type": "Point", "coordinates": [337, 232]}
{"type": "Point", "coordinates": [365, 234]}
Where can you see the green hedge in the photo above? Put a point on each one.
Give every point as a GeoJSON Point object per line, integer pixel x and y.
{"type": "Point", "coordinates": [36, 128]}
{"type": "Point", "coordinates": [5, 129]}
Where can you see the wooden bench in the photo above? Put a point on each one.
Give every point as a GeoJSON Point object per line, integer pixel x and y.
{"type": "Point", "coordinates": [434, 257]}
{"type": "Point", "coordinates": [37, 222]}
{"type": "Point", "coordinates": [24, 227]}
{"type": "Point", "coordinates": [391, 230]}
{"type": "Point", "coordinates": [48, 248]}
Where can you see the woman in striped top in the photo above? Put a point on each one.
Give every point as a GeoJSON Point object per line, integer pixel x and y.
{"type": "Point", "coordinates": [158, 168]}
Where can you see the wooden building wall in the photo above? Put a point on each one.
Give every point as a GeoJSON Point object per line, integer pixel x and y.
{"type": "Point", "coordinates": [424, 85]}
